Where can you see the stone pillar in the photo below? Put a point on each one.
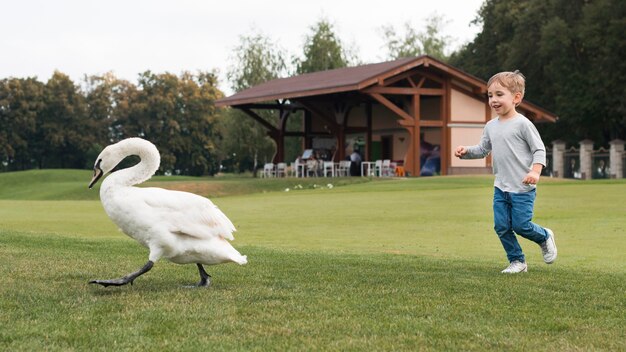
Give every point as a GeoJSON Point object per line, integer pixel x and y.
{"type": "Point", "coordinates": [558, 158]}
{"type": "Point", "coordinates": [616, 159]}
{"type": "Point", "coordinates": [586, 159]}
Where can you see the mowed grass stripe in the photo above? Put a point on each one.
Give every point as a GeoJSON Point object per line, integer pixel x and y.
{"type": "Point", "coordinates": [410, 264]}
{"type": "Point", "coordinates": [438, 217]}
{"type": "Point", "coordinates": [67, 184]}
{"type": "Point", "coordinates": [296, 300]}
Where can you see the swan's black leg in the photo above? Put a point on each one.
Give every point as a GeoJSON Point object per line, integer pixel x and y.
{"type": "Point", "coordinates": [205, 278]}
{"type": "Point", "coordinates": [126, 279]}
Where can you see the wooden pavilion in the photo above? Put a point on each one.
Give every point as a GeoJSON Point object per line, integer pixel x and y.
{"type": "Point", "coordinates": [388, 109]}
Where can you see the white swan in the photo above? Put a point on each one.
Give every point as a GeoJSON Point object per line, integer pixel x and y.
{"type": "Point", "coordinates": [179, 226]}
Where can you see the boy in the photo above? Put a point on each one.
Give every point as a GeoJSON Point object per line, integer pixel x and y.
{"type": "Point", "coordinates": [518, 158]}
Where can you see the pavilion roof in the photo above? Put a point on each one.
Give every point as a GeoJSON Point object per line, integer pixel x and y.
{"type": "Point", "coordinates": [354, 79]}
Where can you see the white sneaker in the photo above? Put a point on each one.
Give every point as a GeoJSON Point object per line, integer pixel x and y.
{"type": "Point", "coordinates": [548, 248]}
{"type": "Point", "coordinates": [516, 267]}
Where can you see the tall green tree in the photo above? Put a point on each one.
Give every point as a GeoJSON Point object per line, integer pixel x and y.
{"type": "Point", "coordinates": [256, 60]}
{"type": "Point", "coordinates": [431, 41]}
{"type": "Point", "coordinates": [62, 135]}
{"type": "Point", "coordinates": [105, 96]}
{"type": "Point", "coordinates": [107, 99]}
{"type": "Point", "coordinates": [322, 50]}
{"type": "Point", "coordinates": [198, 150]}
{"type": "Point", "coordinates": [246, 144]}
{"type": "Point", "coordinates": [59, 124]}
{"type": "Point", "coordinates": [572, 53]}
{"type": "Point", "coordinates": [178, 115]}
{"type": "Point", "coordinates": [21, 103]}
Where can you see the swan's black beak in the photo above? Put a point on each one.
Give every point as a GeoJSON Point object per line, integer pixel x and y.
{"type": "Point", "coordinates": [97, 173]}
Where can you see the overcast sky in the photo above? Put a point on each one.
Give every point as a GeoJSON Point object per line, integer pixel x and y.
{"type": "Point", "coordinates": [127, 37]}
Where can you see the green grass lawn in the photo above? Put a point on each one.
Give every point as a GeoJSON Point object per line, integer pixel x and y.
{"type": "Point", "coordinates": [72, 185]}
{"type": "Point", "coordinates": [407, 264]}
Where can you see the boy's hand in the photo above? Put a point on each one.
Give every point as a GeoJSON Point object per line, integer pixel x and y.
{"type": "Point", "coordinates": [531, 178]}
{"type": "Point", "coordinates": [460, 151]}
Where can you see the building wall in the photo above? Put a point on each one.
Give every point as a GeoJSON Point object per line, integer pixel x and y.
{"type": "Point", "coordinates": [430, 108]}
{"type": "Point", "coordinates": [467, 121]}
{"type": "Point", "coordinates": [468, 115]}
{"type": "Point", "coordinates": [358, 116]}
{"type": "Point", "coordinates": [466, 125]}
{"type": "Point", "coordinates": [401, 142]}
{"type": "Point", "coordinates": [386, 123]}
{"type": "Point", "coordinates": [383, 119]}
{"type": "Point", "coordinates": [469, 135]}
{"type": "Point", "coordinates": [465, 108]}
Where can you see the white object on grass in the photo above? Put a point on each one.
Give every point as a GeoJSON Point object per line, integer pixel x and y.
{"type": "Point", "coordinates": [179, 226]}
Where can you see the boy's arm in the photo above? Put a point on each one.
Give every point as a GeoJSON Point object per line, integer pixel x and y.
{"type": "Point", "coordinates": [538, 150]}
{"type": "Point", "coordinates": [476, 151]}
{"type": "Point", "coordinates": [481, 150]}
{"type": "Point", "coordinates": [533, 175]}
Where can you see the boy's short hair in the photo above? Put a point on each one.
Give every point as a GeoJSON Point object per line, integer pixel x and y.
{"type": "Point", "coordinates": [513, 81]}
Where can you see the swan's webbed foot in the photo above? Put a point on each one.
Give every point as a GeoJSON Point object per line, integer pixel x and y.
{"type": "Point", "coordinates": [126, 279]}
{"type": "Point", "coordinates": [205, 278]}
{"type": "Point", "coordinates": [113, 282]}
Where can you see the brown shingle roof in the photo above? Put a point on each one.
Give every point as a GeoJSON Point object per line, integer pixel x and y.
{"type": "Point", "coordinates": [317, 83]}
{"type": "Point", "coordinates": [354, 79]}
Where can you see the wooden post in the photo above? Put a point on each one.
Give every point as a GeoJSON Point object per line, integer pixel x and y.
{"type": "Point", "coordinates": [415, 168]}
{"type": "Point", "coordinates": [368, 137]}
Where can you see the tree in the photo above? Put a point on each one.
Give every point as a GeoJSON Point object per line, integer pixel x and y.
{"type": "Point", "coordinates": [322, 50]}
{"type": "Point", "coordinates": [58, 124]}
{"type": "Point", "coordinates": [62, 136]}
{"type": "Point", "coordinates": [431, 41]}
{"type": "Point", "coordinates": [21, 103]}
{"type": "Point", "coordinates": [602, 35]}
{"type": "Point", "coordinates": [571, 53]}
{"type": "Point", "coordinates": [106, 97]}
{"type": "Point", "coordinates": [198, 152]}
{"type": "Point", "coordinates": [256, 60]}
{"type": "Point", "coordinates": [178, 115]}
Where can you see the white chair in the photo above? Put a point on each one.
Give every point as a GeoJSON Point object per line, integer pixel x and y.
{"type": "Point", "coordinates": [344, 168]}
{"type": "Point", "coordinates": [328, 168]}
{"type": "Point", "coordinates": [297, 168]}
{"type": "Point", "coordinates": [281, 170]}
{"type": "Point", "coordinates": [386, 169]}
{"type": "Point", "coordinates": [268, 170]}
{"type": "Point", "coordinates": [378, 168]}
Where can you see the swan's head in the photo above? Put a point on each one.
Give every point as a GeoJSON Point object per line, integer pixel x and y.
{"type": "Point", "coordinates": [106, 161]}
{"type": "Point", "coordinates": [113, 154]}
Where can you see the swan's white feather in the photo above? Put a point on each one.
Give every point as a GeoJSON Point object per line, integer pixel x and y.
{"type": "Point", "coordinates": [198, 218]}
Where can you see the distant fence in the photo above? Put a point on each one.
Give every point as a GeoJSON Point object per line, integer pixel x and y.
{"type": "Point", "coordinates": [585, 162]}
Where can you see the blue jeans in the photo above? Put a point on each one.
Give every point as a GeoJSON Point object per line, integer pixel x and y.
{"type": "Point", "coordinates": [512, 214]}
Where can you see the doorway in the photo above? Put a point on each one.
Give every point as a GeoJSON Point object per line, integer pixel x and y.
{"type": "Point", "coordinates": [386, 146]}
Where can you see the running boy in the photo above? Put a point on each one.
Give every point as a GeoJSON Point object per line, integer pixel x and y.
{"type": "Point", "coordinates": [518, 155]}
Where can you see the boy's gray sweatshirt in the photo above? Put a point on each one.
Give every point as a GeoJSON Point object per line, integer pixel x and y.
{"type": "Point", "coordinates": [515, 145]}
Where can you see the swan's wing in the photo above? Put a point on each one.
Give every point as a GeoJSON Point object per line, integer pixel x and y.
{"type": "Point", "coordinates": [188, 214]}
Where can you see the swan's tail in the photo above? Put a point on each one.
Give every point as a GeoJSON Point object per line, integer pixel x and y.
{"type": "Point", "coordinates": [229, 253]}
{"type": "Point", "coordinates": [241, 260]}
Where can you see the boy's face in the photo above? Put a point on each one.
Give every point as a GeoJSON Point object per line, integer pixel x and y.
{"type": "Point", "coordinates": [502, 100]}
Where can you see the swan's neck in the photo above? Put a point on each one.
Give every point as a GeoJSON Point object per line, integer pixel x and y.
{"type": "Point", "coordinates": [139, 173]}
